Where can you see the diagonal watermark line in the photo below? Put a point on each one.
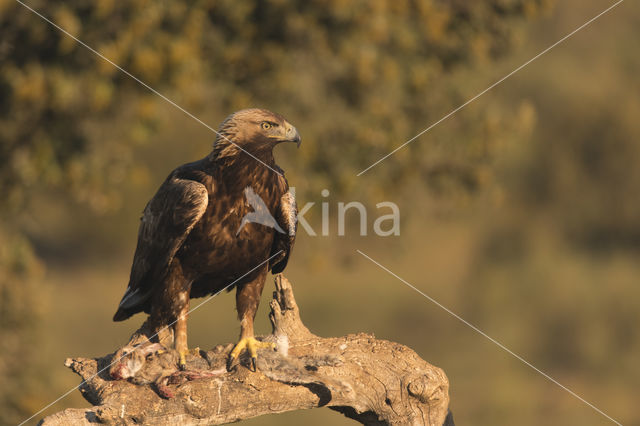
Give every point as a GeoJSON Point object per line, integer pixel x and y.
{"type": "Point", "coordinates": [503, 347]}
{"type": "Point", "coordinates": [490, 87]}
{"type": "Point", "coordinates": [64, 395]}
{"type": "Point", "coordinates": [154, 91]}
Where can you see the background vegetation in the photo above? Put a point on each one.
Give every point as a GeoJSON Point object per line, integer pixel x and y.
{"type": "Point", "coordinates": [521, 212]}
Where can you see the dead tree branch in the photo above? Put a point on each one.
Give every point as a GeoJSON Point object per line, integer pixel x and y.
{"type": "Point", "coordinates": [374, 382]}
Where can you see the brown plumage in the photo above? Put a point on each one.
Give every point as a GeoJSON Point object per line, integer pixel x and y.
{"type": "Point", "coordinates": [193, 240]}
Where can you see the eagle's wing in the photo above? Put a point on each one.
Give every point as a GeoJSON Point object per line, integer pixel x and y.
{"type": "Point", "coordinates": [287, 217]}
{"type": "Point", "coordinates": [166, 222]}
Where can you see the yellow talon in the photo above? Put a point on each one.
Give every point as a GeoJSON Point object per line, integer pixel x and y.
{"type": "Point", "coordinates": [252, 345]}
{"type": "Point", "coordinates": [182, 356]}
{"type": "Point", "coordinates": [182, 362]}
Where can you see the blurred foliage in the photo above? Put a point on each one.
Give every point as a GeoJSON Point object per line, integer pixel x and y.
{"type": "Point", "coordinates": [365, 64]}
{"type": "Point", "coordinates": [20, 315]}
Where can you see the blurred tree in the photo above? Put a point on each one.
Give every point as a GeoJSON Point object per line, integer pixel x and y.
{"type": "Point", "coordinates": [354, 73]}
{"type": "Point", "coordinates": [21, 370]}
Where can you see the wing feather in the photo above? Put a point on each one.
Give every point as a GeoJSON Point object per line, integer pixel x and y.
{"type": "Point", "coordinates": [165, 224]}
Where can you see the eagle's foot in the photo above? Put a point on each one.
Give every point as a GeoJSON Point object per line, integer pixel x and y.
{"type": "Point", "coordinates": [182, 356]}
{"type": "Point", "coordinates": [252, 345]}
{"type": "Point", "coordinates": [182, 361]}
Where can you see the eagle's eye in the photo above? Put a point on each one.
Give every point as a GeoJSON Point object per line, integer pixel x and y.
{"type": "Point", "coordinates": [265, 125]}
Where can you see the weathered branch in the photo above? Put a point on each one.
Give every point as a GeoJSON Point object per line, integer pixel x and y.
{"type": "Point", "coordinates": [369, 380]}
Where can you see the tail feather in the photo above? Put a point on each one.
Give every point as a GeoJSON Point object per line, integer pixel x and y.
{"type": "Point", "coordinates": [132, 302]}
{"type": "Point", "coordinates": [122, 314]}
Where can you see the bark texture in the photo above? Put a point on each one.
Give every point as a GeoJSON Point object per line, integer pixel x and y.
{"type": "Point", "coordinates": [374, 382]}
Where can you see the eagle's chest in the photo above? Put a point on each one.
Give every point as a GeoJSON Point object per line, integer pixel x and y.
{"type": "Point", "coordinates": [235, 232]}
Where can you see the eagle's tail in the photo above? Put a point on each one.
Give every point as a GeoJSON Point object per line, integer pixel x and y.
{"type": "Point", "coordinates": [132, 302]}
{"type": "Point", "coordinates": [122, 314]}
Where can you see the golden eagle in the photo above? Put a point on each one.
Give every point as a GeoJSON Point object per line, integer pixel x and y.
{"type": "Point", "coordinates": [223, 219]}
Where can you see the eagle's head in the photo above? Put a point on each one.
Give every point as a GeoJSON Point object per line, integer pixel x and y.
{"type": "Point", "coordinates": [256, 131]}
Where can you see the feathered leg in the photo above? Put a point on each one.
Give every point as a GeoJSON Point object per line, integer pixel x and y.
{"type": "Point", "coordinates": [180, 331]}
{"type": "Point", "coordinates": [247, 301]}
{"type": "Point", "coordinates": [171, 308]}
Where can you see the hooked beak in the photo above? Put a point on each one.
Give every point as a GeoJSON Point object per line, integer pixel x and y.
{"type": "Point", "coordinates": [292, 135]}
